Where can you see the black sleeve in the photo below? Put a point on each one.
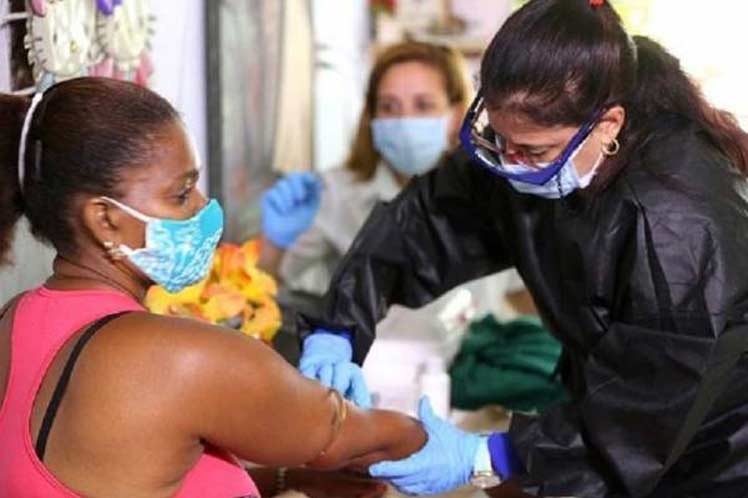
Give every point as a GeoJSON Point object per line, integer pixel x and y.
{"type": "Point", "coordinates": [665, 381]}
{"type": "Point", "coordinates": [439, 232]}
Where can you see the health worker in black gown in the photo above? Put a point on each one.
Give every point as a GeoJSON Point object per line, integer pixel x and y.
{"type": "Point", "coordinates": [593, 165]}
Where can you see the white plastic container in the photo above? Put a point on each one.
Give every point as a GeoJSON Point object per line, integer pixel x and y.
{"type": "Point", "coordinates": [434, 383]}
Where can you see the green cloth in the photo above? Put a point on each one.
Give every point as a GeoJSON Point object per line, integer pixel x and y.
{"type": "Point", "coordinates": [510, 364]}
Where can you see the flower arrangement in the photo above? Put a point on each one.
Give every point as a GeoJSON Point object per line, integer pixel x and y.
{"type": "Point", "coordinates": [235, 294]}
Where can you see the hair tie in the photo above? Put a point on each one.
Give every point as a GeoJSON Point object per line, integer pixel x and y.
{"type": "Point", "coordinates": [597, 3]}
{"type": "Point", "coordinates": [24, 136]}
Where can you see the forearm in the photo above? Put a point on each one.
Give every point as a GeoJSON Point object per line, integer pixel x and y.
{"type": "Point", "coordinates": [367, 437]}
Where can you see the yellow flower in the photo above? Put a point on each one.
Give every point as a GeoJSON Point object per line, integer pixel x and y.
{"type": "Point", "coordinates": [264, 322]}
{"type": "Point", "coordinates": [159, 299]}
{"type": "Point", "coordinates": [235, 293]}
{"type": "Point", "coordinates": [221, 303]}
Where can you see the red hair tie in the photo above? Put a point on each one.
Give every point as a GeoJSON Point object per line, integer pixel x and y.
{"type": "Point", "coordinates": [597, 3]}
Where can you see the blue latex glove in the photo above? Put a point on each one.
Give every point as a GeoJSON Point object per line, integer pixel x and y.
{"type": "Point", "coordinates": [289, 207]}
{"type": "Point", "coordinates": [326, 357]}
{"type": "Point", "coordinates": [443, 464]}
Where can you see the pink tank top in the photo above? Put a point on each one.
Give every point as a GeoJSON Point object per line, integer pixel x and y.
{"type": "Point", "coordinates": [44, 321]}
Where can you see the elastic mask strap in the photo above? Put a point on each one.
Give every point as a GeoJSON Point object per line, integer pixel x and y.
{"type": "Point", "coordinates": [132, 212]}
{"type": "Point", "coordinates": [584, 181]}
{"type": "Point", "coordinates": [570, 164]}
{"type": "Point", "coordinates": [579, 147]}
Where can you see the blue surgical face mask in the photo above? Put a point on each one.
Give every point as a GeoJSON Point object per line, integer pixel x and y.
{"type": "Point", "coordinates": [177, 253]}
{"type": "Point", "coordinates": [566, 181]}
{"type": "Point", "coordinates": [412, 146]}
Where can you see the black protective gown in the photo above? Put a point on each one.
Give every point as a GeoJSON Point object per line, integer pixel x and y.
{"type": "Point", "coordinates": [645, 283]}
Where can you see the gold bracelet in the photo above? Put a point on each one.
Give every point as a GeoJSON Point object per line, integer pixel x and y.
{"type": "Point", "coordinates": [341, 413]}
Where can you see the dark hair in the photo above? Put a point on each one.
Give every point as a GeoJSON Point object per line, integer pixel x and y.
{"type": "Point", "coordinates": [560, 61]}
{"type": "Point", "coordinates": [364, 158]}
{"type": "Point", "coordinates": [84, 135]}
{"type": "Point", "coordinates": [11, 205]}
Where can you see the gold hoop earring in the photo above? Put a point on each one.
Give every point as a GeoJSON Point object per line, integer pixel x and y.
{"type": "Point", "coordinates": [612, 148]}
{"type": "Point", "coordinates": [114, 253]}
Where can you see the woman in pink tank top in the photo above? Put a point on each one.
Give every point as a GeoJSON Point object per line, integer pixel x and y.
{"type": "Point", "coordinates": [100, 398]}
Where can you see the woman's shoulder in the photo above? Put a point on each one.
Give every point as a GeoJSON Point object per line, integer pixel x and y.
{"type": "Point", "coordinates": [143, 345]}
{"type": "Point", "coordinates": [681, 149]}
{"type": "Point", "coordinates": [678, 166]}
{"type": "Point", "coordinates": [177, 333]}
{"type": "Point", "coordinates": [683, 184]}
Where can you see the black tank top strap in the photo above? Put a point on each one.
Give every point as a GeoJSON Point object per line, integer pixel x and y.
{"type": "Point", "coordinates": [10, 304]}
{"type": "Point", "coordinates": [62, 384]}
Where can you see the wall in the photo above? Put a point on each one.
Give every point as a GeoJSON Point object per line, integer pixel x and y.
{"type": "Point", "coordinates": [341, 38]}
{"type": "Point", "coordinates": [179, 59]}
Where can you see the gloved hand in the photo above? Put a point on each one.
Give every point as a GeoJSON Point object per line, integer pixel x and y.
{"type": "Point", "coordinates": [443, 464]}
{"type": "Point", "coordinates": [289, 207]}
{"type": "Point", "coordinates": [326, 357]}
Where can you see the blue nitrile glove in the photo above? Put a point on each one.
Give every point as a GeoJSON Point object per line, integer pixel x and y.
{"type": "Point", "coordinates": [326, 357]}
{"type": "Point", "coordinates": [289, 207]}
{"type": "Point", "coordinates": [443, 464]}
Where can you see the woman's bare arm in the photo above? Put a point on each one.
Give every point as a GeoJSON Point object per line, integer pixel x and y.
{"type": "Point", "coordinates": [370, 436]}
{"type": "Point", "coordinates": [238, 394]}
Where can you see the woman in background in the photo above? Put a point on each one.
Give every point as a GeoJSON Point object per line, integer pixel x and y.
{"type": "Point", "coordinates": [416, 97]}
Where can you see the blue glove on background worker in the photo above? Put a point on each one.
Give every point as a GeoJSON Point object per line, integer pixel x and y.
{"type": "Point", "coordinates": [289, 207]}
{"type": "Point", "coordinates": [328, 357]}
{"type": "Point", "coordinates": [288, 210]}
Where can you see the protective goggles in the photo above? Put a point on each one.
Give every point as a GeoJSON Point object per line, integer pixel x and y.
{"type": "Point", "coordinates": [488, 148]}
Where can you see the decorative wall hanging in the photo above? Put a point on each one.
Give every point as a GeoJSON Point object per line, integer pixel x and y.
{"type": "Point", "coordinates": [39, 7]}
{"type": "Point", "coordinates": [60, 42]}
{"type": "Point", "coordinates": [107, 6]}
{"type": "Point", "coordinates": [124, 31]}
{"type": "Point", "coordinates": [70, 38]}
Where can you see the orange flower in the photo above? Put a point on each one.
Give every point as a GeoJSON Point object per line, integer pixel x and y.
{"type": "Point", "coordinates": [264, 321]}
{"type": "Point", "coordinates": [236, 294]}
{"type": "Point", "coordinates": [158, 299]}
{"type": "Point", "coordinates": [221, 303]}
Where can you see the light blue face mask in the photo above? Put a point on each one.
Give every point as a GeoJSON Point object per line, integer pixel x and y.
{"type": "Point", "coordinates": [566, 181]}
{"type": "Point", "coordinates": [177, 253]}
{"type": "Point", "coordinates": [410, 145]}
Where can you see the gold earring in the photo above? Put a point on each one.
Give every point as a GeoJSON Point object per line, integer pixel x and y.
{"type": "Point", "coordinates": [114, 253]}
{"type": "Point", "coordinates": [612, 148]}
